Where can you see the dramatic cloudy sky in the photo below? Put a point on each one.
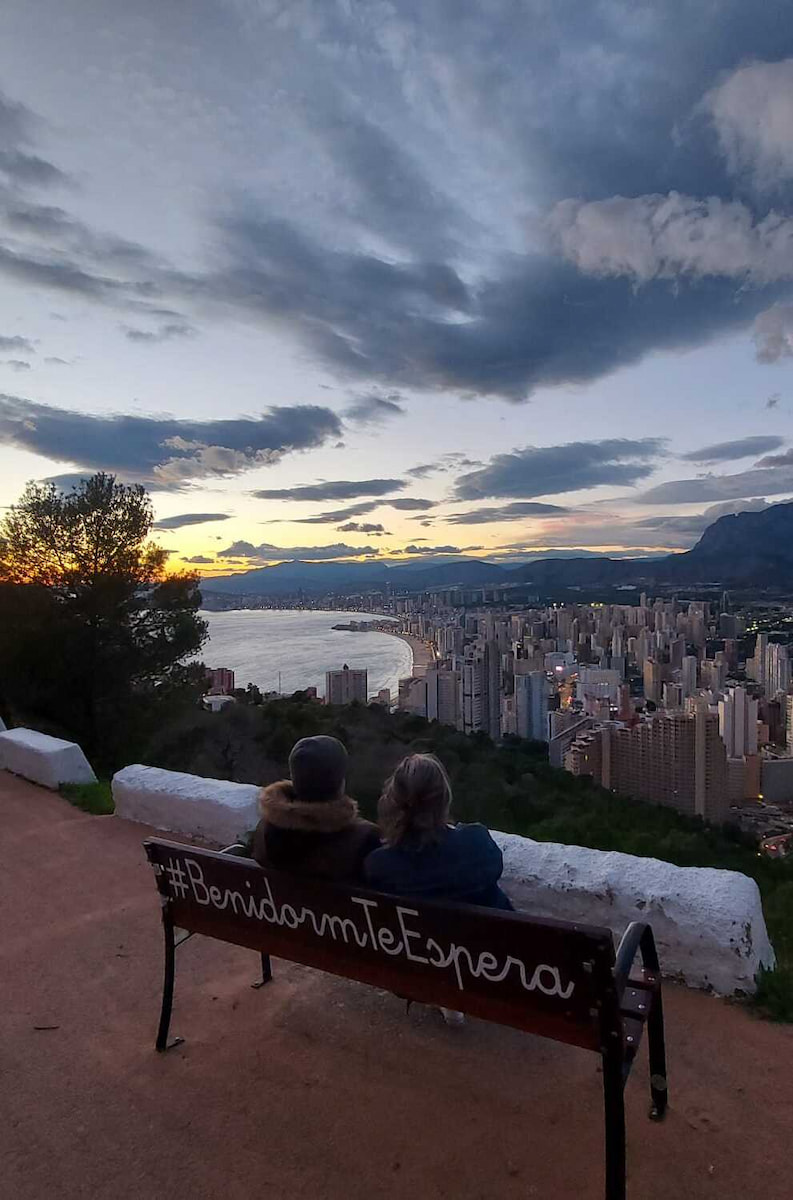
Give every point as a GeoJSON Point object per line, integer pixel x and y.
{"type": "Point", "coordinates": [365, 278]}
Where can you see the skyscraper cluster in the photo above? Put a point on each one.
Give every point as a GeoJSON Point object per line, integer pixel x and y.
{"type": "Point", "coordinates": [651, 699]}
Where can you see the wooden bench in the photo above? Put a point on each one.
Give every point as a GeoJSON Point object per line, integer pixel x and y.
{"type": "Point", "coordinates": [552, 978]}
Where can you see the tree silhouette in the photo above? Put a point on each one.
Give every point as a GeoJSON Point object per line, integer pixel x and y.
{"type": "Point", "coordinates": [95, 632]}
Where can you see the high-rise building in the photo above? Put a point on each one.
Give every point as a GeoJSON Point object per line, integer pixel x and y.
{"type": "Point", "coordinates": [755, 667]}
{"type": "Point", "coordinates": [777, 669]}
{"type": "Point", "coordinates": [688, 675]}
{"type": "Point", "coordinates": [677, 652]}
{"type": "Point", "coordinates": [472, 708]}
{"type": "Point", "coordinates": [713, 673]}
{"type": "Point", "coordinates": [738, 723]}
{"type": "Point", "coordinates": [738, 731]}
{"type": "Point", "coordinates": [599, 683]}
{"type": "Point", "coordinates": [413, 695]}
{"type": "Point", "coordinates": [443, 689]}
{"type": "Point", "coordinates": [674, 759]}
{"type": "Point", "coordinates": [673, 695]}
{"type": "Point", "coordinates": [346, 686]}
{"type": "Point", "coordinates": [644, 646]}
{"type": "Point", "coordinates": [221, 681]}
{"type": "Point", "coordinates": [652, 680]}
{"type": "Point", "coordinates": [509, 715]}
{"type": "Point", "coordinates": [492, 664]}
{"type": "Point", "coordinates": [531, 706]}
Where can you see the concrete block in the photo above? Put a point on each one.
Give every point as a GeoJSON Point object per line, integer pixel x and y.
{"type": "Point", "coordinates": [213, 809]}
{"type": "Point", "coordinates": [708, 924]}
{"type": "Point", "coordinates": [42, 759]}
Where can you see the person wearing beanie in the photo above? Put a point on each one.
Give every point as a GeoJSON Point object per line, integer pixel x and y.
{"type": "Point", "coordinates": [309, 825]}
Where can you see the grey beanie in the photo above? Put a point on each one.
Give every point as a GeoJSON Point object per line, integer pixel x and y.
{"type": "Point", "coordinates": [318, 767]}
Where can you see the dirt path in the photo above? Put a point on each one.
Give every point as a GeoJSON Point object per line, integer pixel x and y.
{"type": "Point", "coordinates": [315, 1087]}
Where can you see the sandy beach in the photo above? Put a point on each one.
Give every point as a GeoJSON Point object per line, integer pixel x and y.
{"type": "Point", "coordinates": [423, 652]}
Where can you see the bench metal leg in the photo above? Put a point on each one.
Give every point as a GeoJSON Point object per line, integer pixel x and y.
{"type": "Point", "coordinates": [656, 1044]}
{"type": "Point", "coordinates": [267, 972]}
{"type": "Point", "coordinates": [167, 986]}
{"type": "Point", "coordinates": [614, 1101]}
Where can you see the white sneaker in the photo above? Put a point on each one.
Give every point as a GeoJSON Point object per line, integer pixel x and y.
{"type": "Point", "coordinates": [452, 1017]}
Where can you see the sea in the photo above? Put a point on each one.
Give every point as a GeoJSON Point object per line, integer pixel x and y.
{"type": "Point", "coordinates": [286, 650]}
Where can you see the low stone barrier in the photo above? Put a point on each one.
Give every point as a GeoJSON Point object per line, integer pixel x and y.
{"type": "Point", "coordinates": [42, 759]}
{"type": "Point", "coordinates": [708, 924]}
{"type": "Point", "coordinates": [213, 809]}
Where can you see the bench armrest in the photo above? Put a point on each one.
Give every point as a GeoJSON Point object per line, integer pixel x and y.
{"type": "Point", "coordinates": [638, 937]}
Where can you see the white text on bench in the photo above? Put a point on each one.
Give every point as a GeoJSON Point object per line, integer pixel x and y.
{"type": "Point", "coordinates": [413, 945]}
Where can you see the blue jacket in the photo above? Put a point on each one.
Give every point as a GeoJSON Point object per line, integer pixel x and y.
{"type": "Point", "coordinates": [464, 865]}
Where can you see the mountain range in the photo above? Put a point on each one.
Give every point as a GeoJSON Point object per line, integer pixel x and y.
{"type": "Point", "coordinates": [748, 548]}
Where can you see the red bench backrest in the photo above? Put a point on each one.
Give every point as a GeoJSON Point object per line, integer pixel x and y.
{"type": "Point", "coordinates": [546, 977]}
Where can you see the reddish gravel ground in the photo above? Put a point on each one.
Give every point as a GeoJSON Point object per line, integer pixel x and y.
{"type": "Point", "coordinates": [316, 1087]}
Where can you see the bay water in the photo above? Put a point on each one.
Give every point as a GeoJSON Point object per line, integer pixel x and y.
{"type": "Point", "coordinates": [261, 645]}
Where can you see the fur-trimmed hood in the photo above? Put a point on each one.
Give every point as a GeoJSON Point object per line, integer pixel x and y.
{"type": "Point", "coordinates": [280, 807]}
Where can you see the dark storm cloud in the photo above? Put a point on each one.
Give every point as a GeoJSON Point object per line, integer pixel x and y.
{"type": "Point", "coordinates": [162, 451]}
{"type": "Point", "coordinates": [507, 512]}
{"type": "Point", "coordinates": [411, 504]}
{"type": "Point", "coordinates": [447, 125]}
{"type": "Point", "coordinates": [17, 131]}
{"type": "Point", "coordinates": [746, 447]}
{"type": "Point", "coordinates": [182, 519]}
{"type": "Point", "coordinates": [394, 195]}
{"type": "Point", "coordinates": [777, 460]}
{"type": "Point", "coordinates": [531, 318]}
{"type": "Point", "coordinates": [401, 503]}
{"type": "Point", "coordinates": [759, 481]}
{"type": "Point", "coordinates": [16, 342]}
{"type": "Point", "coordinates": [339, 489]}
{"type": "Point", "coordinates": [546, 470]}
{"type": "Point", "coordinates": [431, 550]}
{"type": "Point", "coordinates": [363, 527]}
{"type": "Point", "coordinates": [447, 462]}
{"type": "Point", "coordinates": [539, 322]}
{"type": "Point", "coordinates": [374, 409]}
{"type": "Point", "coordinates": [166, 333]}
{"type": "Point", "coordinates": [267, 553]}
{"type": "Point", "coordinates": [331, 518]}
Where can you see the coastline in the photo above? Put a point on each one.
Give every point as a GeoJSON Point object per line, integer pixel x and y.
{"type": "Point", "coordinates": [288, 650]}
{"type": "Point", "coordinates": [423, 655]}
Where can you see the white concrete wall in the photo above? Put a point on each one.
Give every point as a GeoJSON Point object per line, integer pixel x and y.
{"type": "Point", "coordinates": [708, 924]}
{"type": "Point", "coordinates": [170, 800]}
{"type": "Point", "coordinates": [42, 759]}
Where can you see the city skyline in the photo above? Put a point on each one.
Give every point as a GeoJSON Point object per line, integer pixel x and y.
{"type": "Point", "coordinates": [409, 282]}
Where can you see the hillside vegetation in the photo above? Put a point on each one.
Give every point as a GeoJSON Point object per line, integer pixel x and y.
{"type": "Point", "coordinates": [509, 787]}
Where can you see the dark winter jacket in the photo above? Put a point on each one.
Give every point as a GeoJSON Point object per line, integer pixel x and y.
{"type": "Point", "coordinates": [464, 865]}
{"type": "Point", "coordinates": [324, 839]}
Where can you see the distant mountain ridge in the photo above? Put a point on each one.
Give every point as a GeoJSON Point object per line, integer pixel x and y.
{"type": "Point", "coordinates": [746, 548]}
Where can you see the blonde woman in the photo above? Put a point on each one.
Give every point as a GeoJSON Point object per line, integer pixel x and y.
{"type": "Point", "coordinates": [424, 855]}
